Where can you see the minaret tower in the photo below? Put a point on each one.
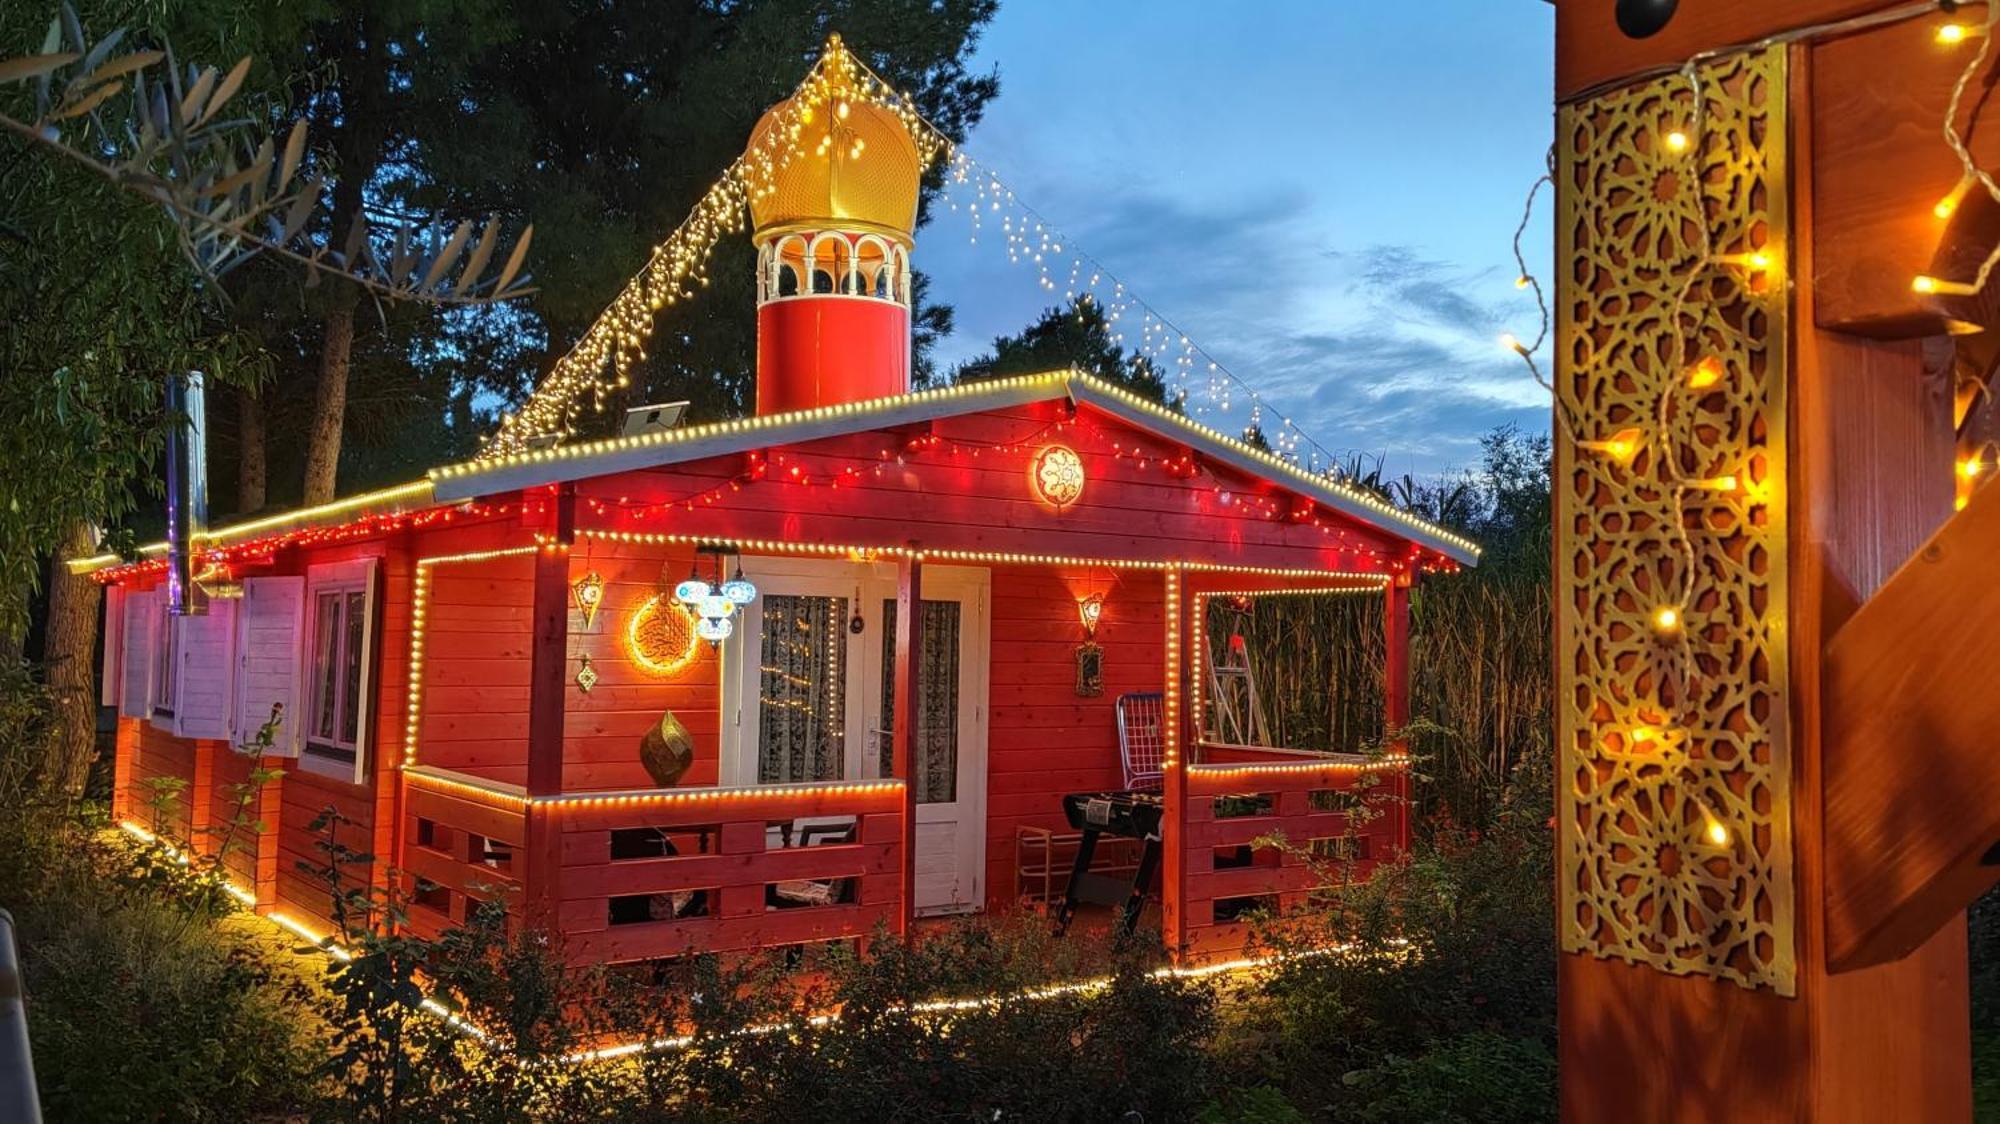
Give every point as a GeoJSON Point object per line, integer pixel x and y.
{"type": "Point", "coordinates": [832, 229]}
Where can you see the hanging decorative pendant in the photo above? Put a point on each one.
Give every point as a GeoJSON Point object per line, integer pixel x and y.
{"type": "Point", "coordinates": [589, 593]}
{"type": "Point", "coordinates": [586, 676]}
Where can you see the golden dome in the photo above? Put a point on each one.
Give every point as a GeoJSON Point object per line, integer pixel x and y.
{"type": "Point", "coordinates": [830, 157]}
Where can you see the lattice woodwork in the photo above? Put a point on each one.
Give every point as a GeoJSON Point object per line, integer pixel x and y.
{"type": "Point", "coordinates": [1662, 737]}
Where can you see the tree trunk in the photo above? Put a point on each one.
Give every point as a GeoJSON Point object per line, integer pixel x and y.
{"type": "Point", "coordinates": [252, 470]}
{"type": "Point", "coordinates": [329, 404]}
{"type": "Point", "coordinates": [70, 642]}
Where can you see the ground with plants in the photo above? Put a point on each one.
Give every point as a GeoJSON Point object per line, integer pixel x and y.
{"type": "Point", "coordinates": [152, 997]}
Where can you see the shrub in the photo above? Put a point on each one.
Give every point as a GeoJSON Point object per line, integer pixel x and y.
{"type": "Point", "coordinates": [138, 1007]}
{"type": "Point", "coordinates": [1450, 945]}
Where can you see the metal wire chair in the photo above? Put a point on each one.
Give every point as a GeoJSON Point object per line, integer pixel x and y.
{"type": "Point", "coordinates": [1142, 741]}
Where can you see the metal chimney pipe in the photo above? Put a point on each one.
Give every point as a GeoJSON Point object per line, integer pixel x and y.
{"type": "Point", "coordinates": [187, 490]}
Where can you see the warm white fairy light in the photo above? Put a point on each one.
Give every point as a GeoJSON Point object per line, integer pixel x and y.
{"type": "Point", "coordinates": [601, 360]}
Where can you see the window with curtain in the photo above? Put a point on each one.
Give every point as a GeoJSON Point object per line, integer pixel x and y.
{"type": "Point", "coordinates": [339, 642]}
{"type": "Point", "coordinates": [802, 689]}
{"type": "Point", "coordinates": [936, 751]}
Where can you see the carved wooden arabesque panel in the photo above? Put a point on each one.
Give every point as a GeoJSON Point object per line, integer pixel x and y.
{"type": "Point", "coordinates": [1675, 766]}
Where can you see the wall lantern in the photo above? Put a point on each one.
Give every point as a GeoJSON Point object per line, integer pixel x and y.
{"type": "Point", "coordinates": [1057, 475]}
{"type": "Point", "coordinates": [588, 591]}
{"type": "Point", "coordinates": [1090, 610]}
{"type": "Point", "coordinates": [715, 604]}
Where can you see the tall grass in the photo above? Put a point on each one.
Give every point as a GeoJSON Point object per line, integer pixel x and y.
{"type": "Point", "coordinates": [1480, 672]}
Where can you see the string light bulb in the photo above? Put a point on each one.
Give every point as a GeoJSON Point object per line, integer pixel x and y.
{"type": "Point", "coordinates": [1948, 205]}
{"type": "Point", "coordinates": [1727, 482]}
{"type": "Point", "coordinates": [1933, 286]}
{"type": "Point", "coordinates": [1667, 620]}
{"type": "Point", "coordinates": [1714, 829]}
{"type": "Point", "coordinates": [1705, 372]}
{"type": "Point", "coordinates": [1952, 34]}
{"type": "Point", "coordinates": [1677, 141]}
{"type": "Point", "coordinates": [1621, 446]}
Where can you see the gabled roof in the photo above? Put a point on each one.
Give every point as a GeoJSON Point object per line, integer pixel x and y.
{"type": "Point", "coordinates": [537, 467]}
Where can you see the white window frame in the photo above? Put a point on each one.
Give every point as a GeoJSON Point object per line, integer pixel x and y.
{"type": "Point", "coordinates": [318, 755]}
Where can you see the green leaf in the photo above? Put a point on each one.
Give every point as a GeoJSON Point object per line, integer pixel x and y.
{"type": "Point", "coordinates": [447, 255]}
{"type": "Point", "coordinates": [88, 102]}
{"type": "Point", "coordinates": [228, 88]}
{"type": "Point", "coordinates": [514, 260]}
{"type": "Point", "coordinates": [295, 151]}
{"type": "Point", "coordinates": [196, 96]}
{"type": "Point", "coordinates": [481, 252]}
{"type": "Point", "coordinates": [126, 63]}
{"type": "Point", "coordinates": [29, 66]}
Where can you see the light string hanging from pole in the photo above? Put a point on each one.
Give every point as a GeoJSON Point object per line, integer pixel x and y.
{"type": "Point", "coordinates": [1036, 241]}
{"type": "Point", "coordinates": [677, 270]}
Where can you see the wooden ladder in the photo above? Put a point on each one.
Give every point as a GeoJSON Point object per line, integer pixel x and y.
{"type": "Point", "coordinates": [1232, 687]}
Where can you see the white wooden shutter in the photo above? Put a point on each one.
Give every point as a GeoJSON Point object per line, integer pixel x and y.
{"type": "Point", "coordinates": [366, 696]}
{"type": "Point", "coordinates": [206, 646]}
{"type": "Point", "coordinates": [110, 687]}
{"type": "Point", "coordinates": [268, 654]}
{"type": "Point", "coordinates": [135, 671]}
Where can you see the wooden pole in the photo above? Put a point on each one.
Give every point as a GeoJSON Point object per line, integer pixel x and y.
{"type": "Point", "coordinates": [1396, 695]}
{"type": "Point", "coordinates": [548, 696]}
{"type": "Point", "coordinates": [1173, 780]}
{"type": "Point", "coordinates": [1861, 449]}
{"type": "Point", "coordinates": [903, 721]}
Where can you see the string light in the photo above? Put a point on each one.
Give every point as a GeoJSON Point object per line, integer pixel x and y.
{"type": "Point", "coordinates": [1706, 372]}
{"type": "Point", "coordinates": [1677, 141]}
{"type": "Point", "coordinates": [1621, 446]}
{"type": "Point", "coordinates": [1667, 620]}
{"type": "Point", "coordinates": [420, 590]}
{"type": "Point", "coordinates": [677, 269]}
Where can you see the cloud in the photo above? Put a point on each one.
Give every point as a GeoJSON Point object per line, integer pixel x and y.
{"type": "Point", "coordinates": [1380, 350]}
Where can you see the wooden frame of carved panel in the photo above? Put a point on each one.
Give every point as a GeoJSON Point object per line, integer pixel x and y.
{"type": "Point", "coordinates": [1674, 770]}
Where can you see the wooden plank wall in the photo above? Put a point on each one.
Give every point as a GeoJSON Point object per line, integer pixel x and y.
{"type": "Point", "coordinates": [475, 686]}
{"type": "Point", "coordinates": [604, 728]}
{"type": "Point", "coordinates": [978, 498]}
{"type": "Point", "coordinates": [159, 754]}
{"type": "Point", "coordinates": [1043, 741]}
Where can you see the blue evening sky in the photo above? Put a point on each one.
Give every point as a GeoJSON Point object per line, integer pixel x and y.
{"type": "Point", "coordinates": [1320, 193]}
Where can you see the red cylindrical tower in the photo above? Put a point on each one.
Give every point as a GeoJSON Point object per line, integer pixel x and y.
{"type": "Point", "coordinates": [832, 226]}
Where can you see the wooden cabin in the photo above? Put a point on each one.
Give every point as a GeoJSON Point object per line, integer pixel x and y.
{"type": "Point", "coordinates": [525, 676]}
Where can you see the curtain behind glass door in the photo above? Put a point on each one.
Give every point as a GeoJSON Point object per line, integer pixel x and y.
{"type": "Point", "coordinates": [802, 689]}
{"type": "Point", "coordinates": [936, 751]}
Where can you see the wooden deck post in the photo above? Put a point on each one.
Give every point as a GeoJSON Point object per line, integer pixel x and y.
{"type": "Point", "coordinates": [1831, 151]}
{"type": "Point", "coordinates": [1396, 695]}
{"type": "Point", "coordinates": [548, 683]}
{"type": "Point", "coordinates": [201, 795]}
{"type": "Point", "coordinates": [903, 722]}
{"type": "Point", "coordinates": [1173, 775]}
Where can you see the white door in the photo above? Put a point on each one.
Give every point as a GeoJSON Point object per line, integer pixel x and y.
{"type": "Point", "coordinates": [808, 695]}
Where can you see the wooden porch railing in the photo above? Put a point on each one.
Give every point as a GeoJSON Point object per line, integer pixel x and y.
{"type": "Point", "coordinates": [652, 873]}
{"type": "Point", "coordinates": [1336, 813]}
{"type": "Point", "coordinates": [463, 839]}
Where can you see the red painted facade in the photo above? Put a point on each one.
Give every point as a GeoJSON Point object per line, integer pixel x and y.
{"type": "Point", "coordinates": [472, 822]}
